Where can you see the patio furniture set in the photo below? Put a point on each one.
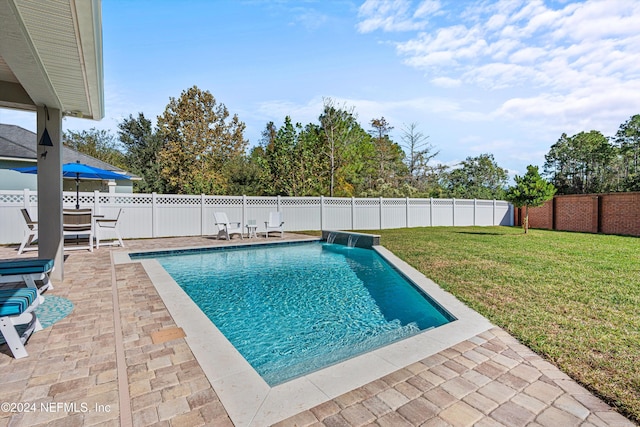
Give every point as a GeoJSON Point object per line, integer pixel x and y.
{"type": "Point", "coordinates": [84, 223]}
{"type": "Point", "coordinates": [76, 224]}
{"type": "Point", "coordinates": [227, 228]}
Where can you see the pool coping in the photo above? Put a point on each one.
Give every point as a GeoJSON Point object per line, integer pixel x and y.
{"type": "Point", "coordinates": [250, 401]}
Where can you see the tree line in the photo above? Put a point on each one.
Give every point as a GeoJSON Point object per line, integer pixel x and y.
{"type": "Point", "coordinates": [589, 162]}
{"type": "Point", "coordinates": [196, 146]}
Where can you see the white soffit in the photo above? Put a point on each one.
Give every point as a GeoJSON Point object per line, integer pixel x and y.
{"type": "Point", "coordinates": [51, 54]}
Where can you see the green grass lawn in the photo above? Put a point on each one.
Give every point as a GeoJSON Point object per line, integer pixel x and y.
{"type": "Point", "coordinates": [573, 298]}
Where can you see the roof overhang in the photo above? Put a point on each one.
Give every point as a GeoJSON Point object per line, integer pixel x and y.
{"type": "Point", "coordinates": [51, 55]}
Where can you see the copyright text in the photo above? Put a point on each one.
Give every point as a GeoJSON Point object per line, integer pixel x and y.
{"type": "Point", "coordinates": [72, 407]}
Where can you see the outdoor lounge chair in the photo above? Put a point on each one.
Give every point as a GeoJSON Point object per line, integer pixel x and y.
{"type": "Point", "coordinates": [275, 223]}
{"type": "Point", "coordinates": [108, 225]}
{"type": "Point", "coordinates": [78, 222]}
{"type": "Point", "coordinates": [17, 308]}
{"type": "Point", "coordinates": [30, 232]}
{"type": "Point", "coordinates": [27, 271]}
{"type": "Point", "coordinates": [226, 228]}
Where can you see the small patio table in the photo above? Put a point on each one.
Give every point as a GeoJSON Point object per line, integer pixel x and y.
{"type": "Point", "coordinates": [252, 229]}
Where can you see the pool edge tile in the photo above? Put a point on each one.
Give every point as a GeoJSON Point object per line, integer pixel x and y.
{"type": "Point", "coordinates": [288, 399]}
{"type": "Point", "coordinates": [350, 374]}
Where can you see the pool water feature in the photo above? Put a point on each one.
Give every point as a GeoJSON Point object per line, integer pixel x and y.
{"type": "Point", "coordinates": [293, 309]}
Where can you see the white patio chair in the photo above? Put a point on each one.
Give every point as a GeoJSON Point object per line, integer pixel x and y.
{"type": "Point", "coordinates": [17, 307]}
{"type": "Point", "coordinates": [30, 233]}
{"type": "Point", "coordinates": [275, 223]}
{"type": "Point", "coordinates": [27, 271]}
{"type": "Point", "coordinates": [226, 228]}
{"type": "Point", "coordinates": [78, 222]}
{"type": "Point", "coordinates": [108, 225]}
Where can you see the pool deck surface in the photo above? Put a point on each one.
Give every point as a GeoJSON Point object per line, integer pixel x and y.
{"type": "Point", "coordinates": [113, 362]}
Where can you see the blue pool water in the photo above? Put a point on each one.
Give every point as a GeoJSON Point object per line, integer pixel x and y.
{"type": "Point", "coordinates": [293, 309]}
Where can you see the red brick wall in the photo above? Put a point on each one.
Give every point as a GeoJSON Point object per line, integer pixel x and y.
{"type": "Point", "coordinates": [577, 213]}
{"type": "Point", "coordinates": [620, 214]}
{"type": "Point", "coordinates": [613, 213]}
{"type": "Point", "coordinates": [541, 217]}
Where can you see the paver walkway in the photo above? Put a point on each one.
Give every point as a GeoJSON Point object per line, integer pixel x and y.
{"type": "Point", "coordinates": [84, 370]}
{"type": "Point", "coordinates": [489, 380]}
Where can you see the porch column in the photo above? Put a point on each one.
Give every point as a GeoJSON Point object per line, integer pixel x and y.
{"type": "Point", "coordinates": [50, 238]}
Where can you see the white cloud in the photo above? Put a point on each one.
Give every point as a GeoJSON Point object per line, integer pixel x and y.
{"type": "Point", "coordinates": [395, 15]}
{"type": "Point", "coordinates": [496, 22]}
{"type": "Point", "coordinates": [528, 55]}
{"type": "Point", "coordinates": [581, 110]}
{"type": "Point", "coordinates": [562, 65]}
{"type": "Point", "coordinates": [426, 8]}
{"type": "Point", "coordinates": [595, 20]}
{"type": "Point", "coordinates": [449, 47]}
{"type": "Point", "coordinates": [501, 75]}
{"type": "Point", "coordinates": [590, 38]}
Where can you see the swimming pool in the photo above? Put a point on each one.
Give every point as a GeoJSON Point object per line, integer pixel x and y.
{"type": "Point", "coordinates": [293, 309]}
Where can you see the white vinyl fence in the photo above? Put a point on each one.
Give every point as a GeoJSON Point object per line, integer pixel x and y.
{"type": "Point", "coordinates": [163, 215]}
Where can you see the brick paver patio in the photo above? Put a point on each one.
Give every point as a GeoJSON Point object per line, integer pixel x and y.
{"type": "Point", "coordinates": [100, 366]}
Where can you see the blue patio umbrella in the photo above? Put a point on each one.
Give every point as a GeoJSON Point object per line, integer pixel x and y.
{"type": "Point", "coordinates": [79, 171]}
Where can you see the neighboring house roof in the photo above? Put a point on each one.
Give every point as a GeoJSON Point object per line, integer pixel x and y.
{"type": "Point", "coordinates": [10, 146]}
{"type": "Point", "coordinates": [20, 144]}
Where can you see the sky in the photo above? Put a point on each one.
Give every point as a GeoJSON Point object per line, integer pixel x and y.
{"type": "Point", "coordinates": [501, 77]}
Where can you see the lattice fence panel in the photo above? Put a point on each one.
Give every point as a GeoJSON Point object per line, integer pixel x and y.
{"type": "Point", "coordinates": [171, 200]}
{"type": "Point", "coordinates": [394, 202]}
{"type": "Point", "coordinates": [223, 200]}
{"type": "Point", "coordinates": [337, 202]}
{"type": "Point", "coordinates": [125, 199]}
{"type": "Point", "coordinates": [85, 200]}
{"type": "Point", "coordinates": [12, 199]}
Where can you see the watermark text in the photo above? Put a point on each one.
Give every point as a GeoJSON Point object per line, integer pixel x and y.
{"type": "Point", "coordinates": [53, 407]}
